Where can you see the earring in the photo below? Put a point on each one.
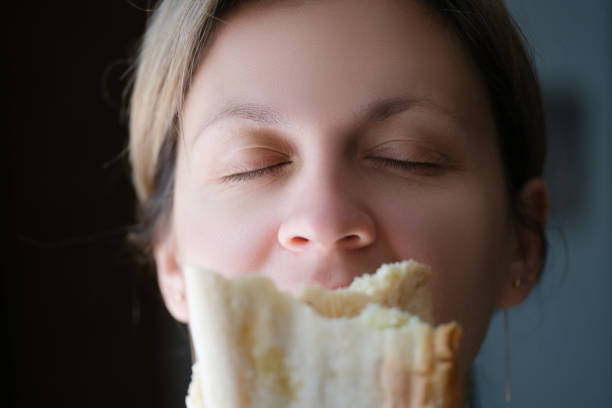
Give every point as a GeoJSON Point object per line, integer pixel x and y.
{"type": "Point", "coordinates": [507, 356]}
{"type": "Point", "coordinates": [518, 283]}
{"type": "Point", "coordinates": [179, 297]}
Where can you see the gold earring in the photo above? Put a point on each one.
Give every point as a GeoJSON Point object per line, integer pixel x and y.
{"type": "Point", "coordinates": [518, 283]}
{"type": "Point", "coordinates": [507, 356]}
{"type": "Point", "coordinates": [179, 297]}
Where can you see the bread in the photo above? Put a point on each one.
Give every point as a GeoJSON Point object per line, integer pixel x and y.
{"type": "Point", "coordinates": [369, 345]}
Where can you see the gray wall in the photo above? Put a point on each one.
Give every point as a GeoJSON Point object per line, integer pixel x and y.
{"type": "Point", "coordinates": [561, 337]}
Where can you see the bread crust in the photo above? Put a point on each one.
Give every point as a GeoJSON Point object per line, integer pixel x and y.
{"type": "Point", "coordinates": [433, 380]}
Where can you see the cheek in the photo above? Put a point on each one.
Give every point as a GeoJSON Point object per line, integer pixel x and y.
{"type": "Point", "coordinates": [232, 237]}
{"type": "Point", "coordinates": [460, 233]}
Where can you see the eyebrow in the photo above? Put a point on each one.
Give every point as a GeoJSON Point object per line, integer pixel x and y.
{"type": "Point", "coordinates": [376, 111]}
{"type": "Point", "coordinates": [249, 111]}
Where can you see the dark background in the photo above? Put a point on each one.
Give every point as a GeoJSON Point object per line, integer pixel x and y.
{"type": "Point", "coordinates": [84, 325]}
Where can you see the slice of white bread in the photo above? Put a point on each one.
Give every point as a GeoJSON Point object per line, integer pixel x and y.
{"type": "Point", "coordinates": [368, 345]}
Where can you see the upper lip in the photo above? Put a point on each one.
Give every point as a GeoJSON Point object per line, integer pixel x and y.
{"type": "Point", "coordinates": [336, 274]}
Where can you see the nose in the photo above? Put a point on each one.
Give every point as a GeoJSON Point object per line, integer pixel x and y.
{"type": "Point", "coordinates": [327, 218]}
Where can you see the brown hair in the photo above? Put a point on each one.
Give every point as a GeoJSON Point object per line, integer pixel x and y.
{"type": "Point", "coordinates": [179, 29]}
{"type": "Point", "coordinates": [497, 48]}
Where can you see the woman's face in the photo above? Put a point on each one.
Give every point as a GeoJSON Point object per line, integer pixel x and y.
{"type": "Point", "coordinates": [322, 139]}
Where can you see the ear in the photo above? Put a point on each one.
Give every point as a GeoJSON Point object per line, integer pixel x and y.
{"type": "Point", "coordinates": [170, 278]}
{"type": "Point", "coordinates": [527, 247]}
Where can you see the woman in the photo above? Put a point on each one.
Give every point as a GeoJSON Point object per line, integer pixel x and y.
{"type": "Point", "coordinates": [312, 141]}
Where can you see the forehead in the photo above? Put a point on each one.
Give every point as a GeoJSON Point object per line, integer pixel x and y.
{"type": "Point", "coordinates": [324, 61]}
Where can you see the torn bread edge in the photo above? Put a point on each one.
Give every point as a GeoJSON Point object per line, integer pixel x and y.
{"type": "Point", "coordinates": [385, 319]}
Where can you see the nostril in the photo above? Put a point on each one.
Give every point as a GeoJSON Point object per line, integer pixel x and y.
{"type": "Point", "coordinates": [298, 241]}
{"type": "Point", "coordinates": [350, 241]}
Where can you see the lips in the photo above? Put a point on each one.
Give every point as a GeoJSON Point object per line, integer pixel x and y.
{"type": "Point", "coordinates": [329, 273]}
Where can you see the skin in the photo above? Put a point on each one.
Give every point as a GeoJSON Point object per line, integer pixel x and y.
{"type": "Point", "coordinates": [314, 151]}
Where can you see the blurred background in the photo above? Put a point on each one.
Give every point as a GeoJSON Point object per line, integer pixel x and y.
{"type": "Point", "coordinates": [561, 337]}
{"type": "Point", "coordinates": [84, 323]}
{"type": "Point", "coordinates": [86, 326]}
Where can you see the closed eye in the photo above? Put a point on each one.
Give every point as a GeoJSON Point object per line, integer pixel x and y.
{"type": "Point", "coordinates": [254, 174]}
{"type": "Point", "coordinates": [405, 166]}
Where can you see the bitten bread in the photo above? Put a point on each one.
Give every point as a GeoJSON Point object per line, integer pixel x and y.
{"type": "Point", "coordinates": [369, 345]}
